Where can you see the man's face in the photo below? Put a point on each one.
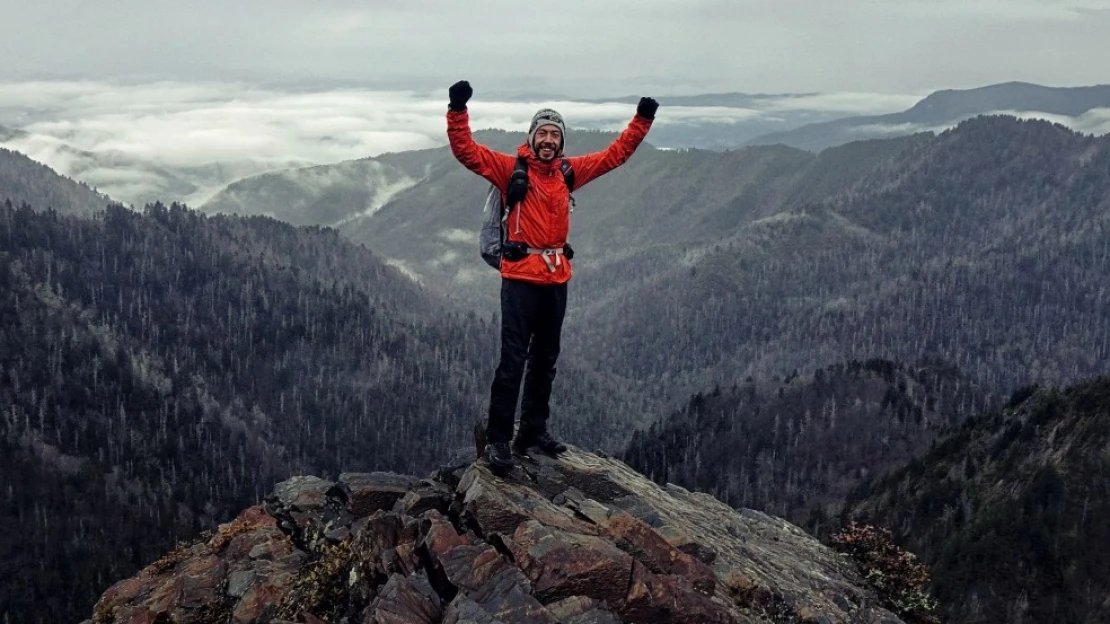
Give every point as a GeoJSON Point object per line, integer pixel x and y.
{"type": "Point", "coordinates": [547, 142]}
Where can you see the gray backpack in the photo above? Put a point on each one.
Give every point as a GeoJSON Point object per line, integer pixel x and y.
{"type": "Point", "coordinates": [495, 214]}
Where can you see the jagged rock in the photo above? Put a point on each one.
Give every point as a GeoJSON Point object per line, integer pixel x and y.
{"type": "Point", "coordinates": [375, 491]}
{"type": "Point", "coordinates": [406, 600]}
{"type": "Point", "coordinates": [249, 563]}
{"type": "Point", "coordinates": [659, 556]}
{"type": "Point", "coordinates": [662, 598]}
{"type": "Point", "coordinates": [581, 539]}
{"type": "Point", "coordinates": [300, 505]}
{"type": "Point", "coordinates": [386, 543]}
{"type": "Point", "coordinates": [508, 597]}
{"type": "Point", "coordinates": [561, 564]}
{"type": "Point", "coordinates": [440, 536]}
{"type": "Point", "coordinates": [498, 505]}
{"type": "Point", "coordinates": [581, 610]}
{"type": "Point", "coordinates": [466, 611]}
{"type": "Point", "coordinates": [302, 493]}
{"type": "Point", "coordinates": [427, 495]}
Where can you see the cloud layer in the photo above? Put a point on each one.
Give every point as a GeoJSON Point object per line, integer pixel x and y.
{"type": "Point", "coordinates": [185, 140]}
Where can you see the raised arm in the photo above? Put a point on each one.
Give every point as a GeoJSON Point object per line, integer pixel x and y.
{"type": "Point", "coordinates": [493, 166]}
{"type": "Point", "coordinates": [590, 167]}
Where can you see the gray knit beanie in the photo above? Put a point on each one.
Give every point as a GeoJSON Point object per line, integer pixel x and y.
{"type": "Point", "coordinates": [546, 117]}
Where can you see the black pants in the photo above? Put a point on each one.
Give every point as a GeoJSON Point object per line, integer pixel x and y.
{"type": "Point", "coordinates": [531, 324]}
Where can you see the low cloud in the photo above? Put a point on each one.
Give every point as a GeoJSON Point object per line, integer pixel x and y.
{"type": "Point", "coordinates": [164, 139]}
{"type": "Point", "coordinates": [185, 141]}
{"type": "Point", "coordinates": [848, 104]}
{"type": "Point", "coordinates": [897, 129]}
{"type": "Point", "coordinates": [189, 125]}
{"type": "Point", "coordinates": [1095, 121]}
{"type": "Point", "coordinates": [405, 269]}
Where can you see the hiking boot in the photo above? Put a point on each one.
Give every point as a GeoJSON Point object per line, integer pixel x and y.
{"type": "Point", "coordinates": [542, 441]}
{"type": "Point", "coordinates": [499, 455]}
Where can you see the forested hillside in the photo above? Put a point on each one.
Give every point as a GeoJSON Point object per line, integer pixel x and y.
{"type": "Point", "coordinates": [161, 370]}
{"type": "Point", "coordinates": [795, 448]}
{"type": "Point", "coordinates": [661, 205]}
{"type": "Point", "coordinates": [322, 195]}
{"type": "Point", "coordinates": [351, 193]}
{"type": "Point", "coordinates": [1010, 511]}
{"type": "Point", "coordinates": [23, 180]}
{"type": "Point", "coordinates": [986, 247]}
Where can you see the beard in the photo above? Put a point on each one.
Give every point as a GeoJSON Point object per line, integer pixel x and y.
{"type": "Point", "coordinates": [547, 152]}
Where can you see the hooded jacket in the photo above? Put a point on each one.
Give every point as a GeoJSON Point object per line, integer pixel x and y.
{"type": "Point", "coordinates": [542, 220]}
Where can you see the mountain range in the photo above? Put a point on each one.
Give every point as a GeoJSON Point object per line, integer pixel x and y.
{"type": "Point", "coordinates": [163, 368]}
{"type": "Point", "coordinates": [1084, 109]}
{"type": "Point", "coordinates": [802, 120]}
{"type": "Point", "coordinates": [723, 121]}
{"type": "Point", "coordinates": [759, 261]}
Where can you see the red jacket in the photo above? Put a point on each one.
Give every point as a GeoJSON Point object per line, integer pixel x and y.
{"type": "Point", "coordinates": [542, 220]}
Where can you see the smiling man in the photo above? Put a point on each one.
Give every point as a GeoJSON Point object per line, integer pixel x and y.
{"type": "Point", "coordinates": [535, 263]}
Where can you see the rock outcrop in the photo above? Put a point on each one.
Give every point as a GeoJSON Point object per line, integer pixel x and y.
{"type": "Point", "coordinates": [579, 540]}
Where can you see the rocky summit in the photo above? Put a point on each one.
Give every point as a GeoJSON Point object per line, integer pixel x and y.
{"type": "Point", "coordinates": [582, 539]}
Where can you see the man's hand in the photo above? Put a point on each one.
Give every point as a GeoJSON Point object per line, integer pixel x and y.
{"type": "Point", "coordinates": [647, 108]}
{"type": "Point", "coordinates": [459, 93]}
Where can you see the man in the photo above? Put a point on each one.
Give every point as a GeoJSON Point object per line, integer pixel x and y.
{"type": "Point", "coordinates": [535, 265]}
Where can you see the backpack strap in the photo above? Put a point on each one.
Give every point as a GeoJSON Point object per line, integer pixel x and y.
{"type": "Point", "coordinates": [564, 167]}
{"type": "Point", "coordinates": [515, 192]}
{"type": "Point", "coordinates": [568, 178]}
{"type": "Point", "coordinates": [568, 174]}
{"type": "Point", "coordinates": [517, 186]}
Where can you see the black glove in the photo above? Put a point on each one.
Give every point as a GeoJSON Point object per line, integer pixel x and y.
{"type": "Point", "coordinates": [568, 252]}
{"type": "Point", "coordinates": [460, 93]}
{"type": "Point", "coordinates": [647, 108]}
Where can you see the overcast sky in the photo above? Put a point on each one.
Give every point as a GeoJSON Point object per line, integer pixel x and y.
{"type": "Point", "coordinates": [573, 47]}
